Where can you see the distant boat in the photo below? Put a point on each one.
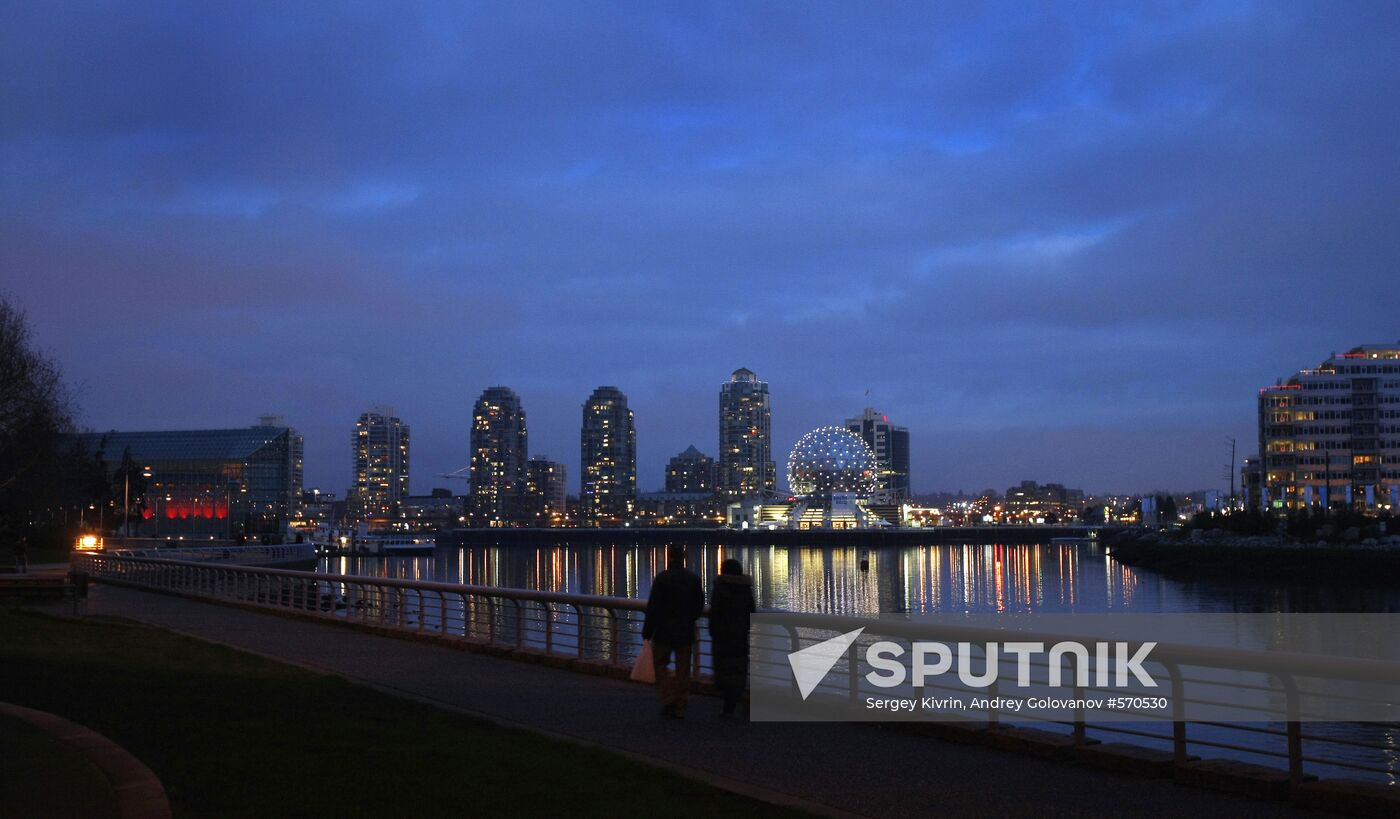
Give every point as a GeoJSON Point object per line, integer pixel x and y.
{"type": "Point", "coordinates": [399, 545]}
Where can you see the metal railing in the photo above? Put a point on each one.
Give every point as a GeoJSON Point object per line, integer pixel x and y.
{"type": "Point", "coordinates": [583, 627]}
{"type": "Point", "coordinates": [231, 555]}
{"type": "Point", "coordinates": [1196, 675]}
{"type": "Point", "coordinates": [608, 630]}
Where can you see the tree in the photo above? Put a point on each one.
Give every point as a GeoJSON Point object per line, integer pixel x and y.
{"type": "Point", "coordinates": [35, 410]}
{"type": "Point", "coordinates": [129, 485]}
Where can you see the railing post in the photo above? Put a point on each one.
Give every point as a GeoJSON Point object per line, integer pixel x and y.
{"type": "Point", "coordinates": [613, 633]}
{"type": "Point", "coordinates": [853, 671]}
{"type": "Point", "coordinates": [582, 621]}
{"type": "Point", "coordinates": [548, 628]}
{"type": "Point", "coordinates": [1079, 733]}
{"type": "Point", "coordinates": [1295, 731]}
{"type": "Point", "coordinates": [795, 644]}
{"type": "Point", "coordinates": [1178, 713]}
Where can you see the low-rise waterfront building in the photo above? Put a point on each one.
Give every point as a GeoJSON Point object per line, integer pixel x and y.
{"type": "Point", "coordinates": [546, 488]}
{"type": "Point", "coordinates": [691, 472]}
{"type": "Point", "coordinates": [680, 509]}
{"type": "Point", "coordinates": [434, 512]}
{"type": "Point", "coordinates": [208, 484]}
{"type": "Point", "coordinates": [1329, 436]}
{"type": "Point", "coordinates": [1030, 502]}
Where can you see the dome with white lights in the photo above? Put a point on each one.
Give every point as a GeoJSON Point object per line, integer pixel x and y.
{"type": "Point", "coordinates": [831, 459]}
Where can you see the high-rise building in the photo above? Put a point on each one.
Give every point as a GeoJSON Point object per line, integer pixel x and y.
{"type": "Point", "coordinates": [891, 447]}
{"type": "Point", "coordinates": [1329, 436]}
{"type": "Point", "coordinates": [208, 483]}
{"type": "Point", "coordinates": [745, 436]}
{"type": "Point", "coordinates": [546, 492]}
{"type": "Point", "coordinates": [297, 455]}
{"type": "Point", "coordinates": [608, 451]}
{"type": "Point", "coordinates": [499, 452]}
{"type": "Point", "coordinates": [691, 471]}
{"type": "Point", "coordinates": [381, 464]}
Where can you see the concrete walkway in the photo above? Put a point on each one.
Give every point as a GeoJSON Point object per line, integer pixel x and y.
{"type": "Point", "coordinates": [834, 768]}
{"type": "Point", "coordinates": [135, 792]}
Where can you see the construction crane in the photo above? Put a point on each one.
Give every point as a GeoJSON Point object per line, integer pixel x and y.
{"type": "Point", "coordinates": [463, 474]}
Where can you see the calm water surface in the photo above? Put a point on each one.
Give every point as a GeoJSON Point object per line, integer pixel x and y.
{"type": "Point", "coordinates": [911, 580]}
{"type": "Point", "coordinates": [942, 579]}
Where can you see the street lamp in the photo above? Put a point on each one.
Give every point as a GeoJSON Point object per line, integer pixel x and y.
{"type": "Point", "coordinates": [126, 497]}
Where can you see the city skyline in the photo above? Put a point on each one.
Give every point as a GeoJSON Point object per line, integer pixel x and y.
{"type": "Point", "coordinates": [1053, 243]}
{"type": "Point", "coordinates": [492, 396]}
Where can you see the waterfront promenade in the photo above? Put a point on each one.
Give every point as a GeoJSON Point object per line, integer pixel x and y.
{"type": "Point", "coordinates": [829, 768]}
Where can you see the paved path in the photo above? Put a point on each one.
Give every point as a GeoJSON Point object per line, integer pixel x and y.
{"type": "Point", "coordinates": [852, 768]}
{"type": "Point", "coordinates": [133, 791]}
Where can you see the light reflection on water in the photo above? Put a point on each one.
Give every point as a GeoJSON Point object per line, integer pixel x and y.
{"type": "Point", "coordinates": [941, 579]}
{"type": "Point", "coordinates": [861, 581]}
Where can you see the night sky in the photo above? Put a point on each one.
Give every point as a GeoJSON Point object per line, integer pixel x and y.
{"type": "Point", "coordinates": [1063, 244]}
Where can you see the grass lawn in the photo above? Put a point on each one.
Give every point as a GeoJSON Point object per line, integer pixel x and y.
{"type": "Point", "coordinates": [232, 734]}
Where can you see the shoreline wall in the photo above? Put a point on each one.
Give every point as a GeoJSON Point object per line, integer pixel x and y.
{"type": "Point", "coordinates": [859, 538]}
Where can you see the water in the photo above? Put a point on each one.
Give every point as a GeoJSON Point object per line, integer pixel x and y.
{"type": "Point", "coordinates": [913, 580]}
{"type": "Point", "coordinates": [938, 579]}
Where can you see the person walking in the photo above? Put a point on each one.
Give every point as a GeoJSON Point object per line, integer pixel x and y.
{"type": "Point", "coordinates": [22, 554]}
{"type": "Point", "coordinates": [676, 602]}
{"type": "Point", "coordinates": [731, 603]}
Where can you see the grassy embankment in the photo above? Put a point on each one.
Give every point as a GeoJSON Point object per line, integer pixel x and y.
{"type": "Point", "coordinates": [232, 734]}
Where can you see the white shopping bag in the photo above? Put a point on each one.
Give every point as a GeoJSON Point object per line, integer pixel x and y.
{"type": "Point", "coordinates": [643, 670]}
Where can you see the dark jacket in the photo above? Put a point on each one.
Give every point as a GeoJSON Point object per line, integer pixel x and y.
{"type": "Point", "coordinates": [677, 600]}
{"type": "Point", "coordinates": [731, 603]}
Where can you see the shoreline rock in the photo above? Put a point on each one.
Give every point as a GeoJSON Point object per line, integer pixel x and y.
{"type": "Point", "coordinates": [1214, 554]}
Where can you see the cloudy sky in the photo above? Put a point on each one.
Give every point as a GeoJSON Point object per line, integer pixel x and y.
{"type": "Point", "coordinates": [1058, 243]}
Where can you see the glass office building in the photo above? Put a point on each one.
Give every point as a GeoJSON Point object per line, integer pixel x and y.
{"type": "Point", "coordinates": [209, 483]}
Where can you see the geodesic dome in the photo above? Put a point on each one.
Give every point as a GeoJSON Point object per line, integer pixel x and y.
{"type": "Point", "coordinates": [831, 459]}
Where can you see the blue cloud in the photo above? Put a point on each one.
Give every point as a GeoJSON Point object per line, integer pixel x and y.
{"type": "Point", "coordinates": [1024, 228]}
